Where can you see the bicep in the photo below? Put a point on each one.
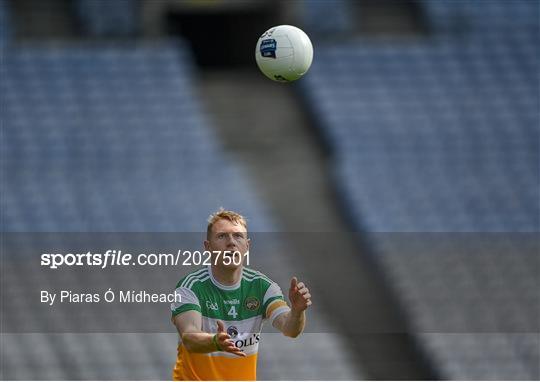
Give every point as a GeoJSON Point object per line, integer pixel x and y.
{"type": "Point", "coordinates": [188, 322]}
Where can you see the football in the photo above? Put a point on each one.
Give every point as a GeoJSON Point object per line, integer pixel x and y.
{"type": "Point", "coordinates": [284, 53]}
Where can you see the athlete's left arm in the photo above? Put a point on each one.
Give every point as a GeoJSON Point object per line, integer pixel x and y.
{"type": "Point", "coordinates": [292, 323]}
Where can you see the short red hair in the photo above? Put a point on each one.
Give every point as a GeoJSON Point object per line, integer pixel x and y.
{"type": "Point", "coordinates": [231, 216]}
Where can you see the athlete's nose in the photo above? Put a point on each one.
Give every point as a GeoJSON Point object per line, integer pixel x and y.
{"type": "Point", "coordinates": [231, 242]}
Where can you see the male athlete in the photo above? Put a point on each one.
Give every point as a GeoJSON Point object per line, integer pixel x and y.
{"type": "Point", "coordinates": [223, 306]}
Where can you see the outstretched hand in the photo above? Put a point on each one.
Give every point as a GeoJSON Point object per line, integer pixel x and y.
{"type": "Point", "coordinates": [225, 342]}
{"type": "Point", "coordinates": [299, 296]}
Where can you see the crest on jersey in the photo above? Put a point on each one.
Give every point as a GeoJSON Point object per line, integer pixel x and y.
{"type": "Point", "coordinates": [232, 331]}
{"type": "Point", "coordinates": [212, 305]}
{"type": "Point", "coordinates": [252, 303]}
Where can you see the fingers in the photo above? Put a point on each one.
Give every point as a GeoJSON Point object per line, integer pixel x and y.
{"type": "Point", "coordinates": [299, 295]}
{"type": "Point", "coordinates": [294, 281]}
{"type": "Point", "coordinates": [220, 326]}
{"type": "Point", "coordinates": [299, 290]}
{"type": "Point", "coordinates": [225, 341]}
{"type": "Point", "coordinates": [306, 296]}
{"type": "Point", "coordinates": [223, 336]}
{"type": "Point", "coordinates": [298, 286]}
{"type": "Point", "coordinates": [303, 290]}
{"type": "Point", "coordinates": [229, 347]}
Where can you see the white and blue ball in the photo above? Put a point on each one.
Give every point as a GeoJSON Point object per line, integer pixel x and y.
{"type": "Point", "coordinates": [284, 53]}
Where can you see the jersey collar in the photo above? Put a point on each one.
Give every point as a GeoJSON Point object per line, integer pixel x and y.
{"type": "Point", "coordinates": [221, 286]}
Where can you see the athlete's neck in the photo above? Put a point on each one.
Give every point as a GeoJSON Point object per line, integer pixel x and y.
{"type": "Point", "coordinates": [226, 276]}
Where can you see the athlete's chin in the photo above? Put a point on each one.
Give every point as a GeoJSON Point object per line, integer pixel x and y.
{"type": "Point", "coordinates": [230, 267]}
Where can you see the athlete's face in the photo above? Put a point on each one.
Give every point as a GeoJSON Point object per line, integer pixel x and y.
{"type": "Point", "coordinates": [231, 237]}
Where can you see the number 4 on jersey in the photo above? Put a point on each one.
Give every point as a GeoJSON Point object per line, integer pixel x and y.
{"type": "Point", "coordinates": [232, 312]}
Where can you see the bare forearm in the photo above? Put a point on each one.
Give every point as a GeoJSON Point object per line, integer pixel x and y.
{"type": "Point", "coordinates": [199, 342]}
{"type": "Point", "coordinates": [294, 323]}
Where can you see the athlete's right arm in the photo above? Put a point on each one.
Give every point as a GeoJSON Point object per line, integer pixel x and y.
{"type": "Point", "coordinates": [189, 326]}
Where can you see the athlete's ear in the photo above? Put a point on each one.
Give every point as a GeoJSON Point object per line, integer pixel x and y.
{"type": "Point", "coordinates": [206, 245]}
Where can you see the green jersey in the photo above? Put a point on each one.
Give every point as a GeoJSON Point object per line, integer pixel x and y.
{"type": "Point", "coordinates": [243, 308]}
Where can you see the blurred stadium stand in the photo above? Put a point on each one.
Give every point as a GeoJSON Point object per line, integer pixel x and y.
{"type": "Point", "coordinates": [111, 18]}
{"type": "Point", "coordinates": [5, 24]}
{"type": "Point", "coordinates": [110, 138]}
{"type": "Point", "coordinates": [442, 135]}
{"type": "Point", "coordinates": [466, 16]}
{"type": "Point", "coordinates": [439, 135]}
{"type": "Point", "coordinates": [325, 17]}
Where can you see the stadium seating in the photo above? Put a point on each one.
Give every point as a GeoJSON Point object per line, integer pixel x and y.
{"type": "Point", "coordinates": [112, 18]}
{"type": "Point", "coordinates": [409, 110]}
{"type": "Point", "coordinates": [466, 16]}
{"type": "Point", "coordinates": [111, 138]}
{"type": "Point", "coordinates": [440, 136]}
{"type": "Point", "coordinates": [326, 18]}
{"type": "Point", "coordinates": [5, 24]}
